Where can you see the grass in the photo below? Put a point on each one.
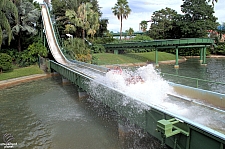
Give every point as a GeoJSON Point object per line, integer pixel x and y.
{"type": "Point", "coordinates": [20, 72]}
{"type": "Point", "coordinates": [103, 59]}
{"type": "Point", "coordinates": [109, 58]}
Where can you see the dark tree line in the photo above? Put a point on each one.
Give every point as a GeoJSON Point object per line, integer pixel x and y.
{"type": "Point", "coordinates": [197, 19]}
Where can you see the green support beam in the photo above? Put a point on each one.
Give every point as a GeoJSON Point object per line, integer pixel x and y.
{"type": "Point", "coordinates": [177, 57]}
{"type": "Point", "coordinates": [156, 57]}
{"type": "Point", "coordinates": [201, 55]}
{"type": "Point", "coordinates": [204, 56]}
{"type": "Point", "coordinates": [115, 51]}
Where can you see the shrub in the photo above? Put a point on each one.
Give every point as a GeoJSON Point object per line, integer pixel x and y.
{"type": "Point", "coordinates": [98, 48]}
{"type": "Point", "coordinates": [77, 49]}
{"type": "Point", "coordinates": [11, 52]}
{"type": "Point", "coordinates": [142, 37]}
{"type": "Point", "coordinates": [5, 62]}
{"type": "Point", "coordinates": [30, 55]}
{"type": "Point", "coordinates": [220, 49]}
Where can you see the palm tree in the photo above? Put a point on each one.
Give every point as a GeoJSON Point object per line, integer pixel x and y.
{"type": "Point", "coordinates": [144, 25]}
{"type": "Point", "coordinates": [130, 32]}
{"type": "Point", "coordinates": [213, 1]}
{"type": "Point", "coordinates": [121, 10]}
{"type": "Point", "coordinates": [7, 8]}
{"type": "Point", "coordinates": [85, 18]}
{"type": "Point", "coordinates": [28, 18]}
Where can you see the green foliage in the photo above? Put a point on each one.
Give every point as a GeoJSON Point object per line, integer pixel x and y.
{"type": "Point", "coordinates": [130, 31]}
{"type": "Point", "coordinates": [94, 60]}
{"type": "Point", "coordinates": [98, 48]}
{"type": "Point", "coordinates": [8, 14]}
{"type": "Point", "coordinates": [103, 40]}
{"type": "Point", "coordinates": [162, 23]}
{"type": "Point", "coordinates": [186, 51]}
{"type": "Point", "coordinates": [28, 16]}
{"type": "Point", "coordinates": [220, 49]}
{"type": "Point", "coordinates": [142, 37]}
{"type": "Point", "coordinates": [5, 62]}
{"type": "Point", "coordinates": [144, 25]}
{"type": "Point", "coordinates": [121, 10]}
{"type": "Point", "coordinates": [85, 18]}
{"type": "Point", "coordinates": [197, 19]}
{"type": "Point", "coordinates": [102, 28]}
{"type": "Point", "coordinates": [77, 49]}
{"type": "Point", "coordinates": [31, 54]}
{"type": "Point", "coordinates": [11, 52]}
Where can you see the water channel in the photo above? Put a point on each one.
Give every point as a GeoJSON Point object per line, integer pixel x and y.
{"type": "Point", "coordinates": [46, 114]}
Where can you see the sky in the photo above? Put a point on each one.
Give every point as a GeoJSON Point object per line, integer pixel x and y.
{"type": "Point", "coordinates": [143, 10]}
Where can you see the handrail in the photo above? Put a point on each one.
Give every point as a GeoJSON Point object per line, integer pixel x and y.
{"type": "Point", "coordinates": [196, 79]}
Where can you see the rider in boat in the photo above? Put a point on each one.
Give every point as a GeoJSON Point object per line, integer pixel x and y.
{"type": "Point", "coordinates": [129, 80]}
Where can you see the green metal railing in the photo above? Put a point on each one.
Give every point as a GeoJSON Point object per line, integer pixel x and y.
{"type": "Point", "coordinates": [197, 80]}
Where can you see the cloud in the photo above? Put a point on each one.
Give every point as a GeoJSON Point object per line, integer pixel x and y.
{"type": "Point", "coordinates": [143, 10]}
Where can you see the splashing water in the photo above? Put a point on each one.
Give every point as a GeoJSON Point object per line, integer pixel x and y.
{"type": "Point", "coordinates": [151, 88]}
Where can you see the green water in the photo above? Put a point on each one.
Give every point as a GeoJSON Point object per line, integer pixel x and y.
{"type": "Point", "coordinates": [45, 114]}
{"type": "Point", "coordinates": [213, 71]}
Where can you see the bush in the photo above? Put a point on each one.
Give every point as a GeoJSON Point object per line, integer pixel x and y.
{"type": "Point", "coordinates": [31, 54]}
{"type": "Point", "coordinates": [220, 49]}
{"type": "Point", "coordinates": [142, 37]}
{"type": "Point", "coordinates": [103, 40]}
{"type": "Point", "coordinates": [11, 52]}
{"type": "Point", "coordinates": [5, 62]}
{"type": "Point", "coordinates": [77, 49]}
{"type": "Point", "coordinates": [98, 48]}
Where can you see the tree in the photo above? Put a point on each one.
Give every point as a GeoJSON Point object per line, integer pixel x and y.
{"type": "Point", "coordinates": [130, 32]}
{"type": "Point", "coordinates": [59, 10]}
{"type": "Point", "coordinates": [213, 1]}
{"type": "Point", "coordinates": [144, 25]}
{"type": "Point", "coordinates": [84, 18]}
{"type": "Point", "coordinates": [121, 10]}
{"type": "Point", "coordinates": [197, 19]}
{"type": "Point", "coordinates": [28, 18]}
{"type": "Point", "coordinates": [162, 23]}
{"type": "Point", "coordinates": [8, 14]}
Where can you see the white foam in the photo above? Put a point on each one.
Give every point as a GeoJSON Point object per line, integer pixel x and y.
{"type": "Point", "coordinates": [153, 90]}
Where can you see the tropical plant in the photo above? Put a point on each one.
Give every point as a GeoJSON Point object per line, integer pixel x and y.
{"type": "Point", "coordinates": [142, 37]}
{"type": "Point", "coordinates": [77, 49]}
{"type": "Point", "coordinates": [31, 54]}
{"type": "Point", "coordinates": [5, 62]}
{"type": "Point", "coordinates": [121, 10]}
{"type": "Point", "coordinates": [85, 18]}
{"type": "Point", "coordinates": [28, 17]}
{"type": "Point", "coordinates": [144, 25]}
{"type": "Point", "coordinates": [8, 13]}
{"type": "Point", "coordinates": [213, 1]}
{"type": "Point", "coordinates": [98, 48]}
{"type": "Point", "coordinates": [130, 32]}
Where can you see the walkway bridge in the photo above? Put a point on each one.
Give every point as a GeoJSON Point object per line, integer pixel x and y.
{"type": "Point", "coordinates": [174, 130]}
{"type": "Point", "coordinates": [176, 44]}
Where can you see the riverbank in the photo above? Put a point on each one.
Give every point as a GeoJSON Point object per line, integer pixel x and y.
{"type": "Point", "coordinates": [209, 56]}
{"type": "Point", "coordinates": [145, 63]}
{"type": "Point", "coordinates": [19, 80]}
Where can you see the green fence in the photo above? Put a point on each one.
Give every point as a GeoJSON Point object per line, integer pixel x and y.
{"type": "Point", "coordinates": [196, 82]}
